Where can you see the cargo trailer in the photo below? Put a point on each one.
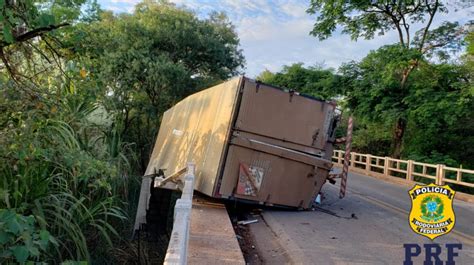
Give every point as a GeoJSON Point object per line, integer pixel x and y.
{"type": "Point", "coordinates": [249, 141]}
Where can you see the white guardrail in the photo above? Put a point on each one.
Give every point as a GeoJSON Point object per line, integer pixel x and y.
{"type": "Point", "coordinates": [406, 169]}
{"type": "Point", "coordinates": [179, 240]}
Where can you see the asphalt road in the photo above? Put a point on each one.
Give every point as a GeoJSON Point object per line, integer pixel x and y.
{"type": "Point", "coordinates": [369, 226]}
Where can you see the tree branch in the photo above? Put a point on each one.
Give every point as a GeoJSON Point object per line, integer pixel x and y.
{"type": "Point", "coordinates": [396, 21]}
{"type": "Point", "coordinates": [442, 43]}
{"type": "Point", "coordinates": [399, 29]}
{"type": "Point", "coordinates": [7, 65]}
{"type": "Point", "coordinates": [56, 59]}
{"type": "Point", "coordinates": [33, 33]}
{"type": "Point", "coordinates": [406, 26]}
{"type": "Point", "coordinates": [432, 13]}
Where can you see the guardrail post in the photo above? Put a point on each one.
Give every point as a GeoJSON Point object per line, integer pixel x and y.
{"type": "Point", "coordinates": [385, 166]}
{"type": "Point", "coordinates": [459, 174]}
{"type": "Point", "coordinates": [410, 170]}
{"type": "Point", "coordinates": [352, 161]}
{"type": "Point", "coordinates": [177, 251]}
{"type": "Point", "coordinates": [188, 188]}
{"type": "Point", "coordinates": [368, 162]}
{"type": "Point", "coordinates": [190, 169]}
{"type": "Point", "coordinates": [439, 174]}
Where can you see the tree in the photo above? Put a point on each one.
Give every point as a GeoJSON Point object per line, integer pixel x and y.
{"type": "Point", "coordinates": [365, 19]}
{"type": "Point", "coordinates": [434, 102]}
{"type": "Point", "coordinates": [314, 81]}
{"type": "Point", "coordinates": [29, 35]}
{"type": "Point", "coordinates": [146, 61]}
{"type": "Point", "coordinates": [63, 176]}
{"type": "Point", "coordinates": [441, 115]}
{"type": "Point", "coordinates": [469, 56]}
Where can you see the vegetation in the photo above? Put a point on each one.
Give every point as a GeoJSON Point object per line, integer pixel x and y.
{"type": "Point", "coordinates": [363, 19]}
{"type": "Point", "coordinates": [82, 93]}
{"type": "Point", "coordinates": [314, 81]}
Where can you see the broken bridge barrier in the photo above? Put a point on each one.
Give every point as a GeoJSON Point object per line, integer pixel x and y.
{"type": "Point", "coordinates": [179, 240]}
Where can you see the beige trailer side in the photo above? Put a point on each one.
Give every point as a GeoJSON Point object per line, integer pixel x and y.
{"type": "Point", "coordinates": [196, 129]}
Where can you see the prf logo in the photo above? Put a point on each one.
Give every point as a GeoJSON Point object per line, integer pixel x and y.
{"type": "Point", "coordinates": [432, 213]}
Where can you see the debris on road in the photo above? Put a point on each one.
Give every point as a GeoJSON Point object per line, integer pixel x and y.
{"type": "Point", "coordinates": [317, 208]}
{"type": "Point", "coordinates": [318, 199]}
{"type": "Point", "coordinates": [246, 222]}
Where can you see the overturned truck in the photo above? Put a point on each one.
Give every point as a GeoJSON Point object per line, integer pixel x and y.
{"type": "Point", "coordinates": [249, 141]}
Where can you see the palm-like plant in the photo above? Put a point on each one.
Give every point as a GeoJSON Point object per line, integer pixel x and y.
{"type": "Point", "coordinates": [71, 174]}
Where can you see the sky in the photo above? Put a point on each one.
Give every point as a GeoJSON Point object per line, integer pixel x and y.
{"type": "Point", "coordinates": [274, 33]}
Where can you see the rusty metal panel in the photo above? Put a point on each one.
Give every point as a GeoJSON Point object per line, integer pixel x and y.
{"type": "Point", "coordinates": [197, 129]}
{"type": "Point", "coordinates": [282, 181]}
{"type": "Point", "coordinates": [278, 142]}
{"type": "Point", "coordinates": [278, 150]}
{"type": "Point", "coordinates": [286, 116]}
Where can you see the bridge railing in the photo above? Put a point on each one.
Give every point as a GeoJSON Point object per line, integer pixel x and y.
{"type": "Point", "coordinates": [178, 246]}
{"type": "Point", "coordinates": [406, 169]}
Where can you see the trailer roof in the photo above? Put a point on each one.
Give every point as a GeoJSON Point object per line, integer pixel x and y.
{"type": "Point", "coordinates": [288, 90]}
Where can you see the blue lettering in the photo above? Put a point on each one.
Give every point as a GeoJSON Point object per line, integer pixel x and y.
{"type": "Point", "coordinates": [409, 253]}
{"type": "Point", "coordinates": [451, 253]}
{"type": "Point", "coordinates": [429, 254]}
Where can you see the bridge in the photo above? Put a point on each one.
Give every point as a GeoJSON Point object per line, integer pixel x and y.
{"type": "Point", "coordinates": [369, 226]}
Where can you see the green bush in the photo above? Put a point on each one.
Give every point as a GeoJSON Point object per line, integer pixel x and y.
{"type": "Point", "coordinates": [21, 239]}
{"type": "Point", "coordinates": [63, 173]}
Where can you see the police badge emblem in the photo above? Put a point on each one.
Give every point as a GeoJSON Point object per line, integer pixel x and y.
{"type": "Point", "coordinates": [432, 213]}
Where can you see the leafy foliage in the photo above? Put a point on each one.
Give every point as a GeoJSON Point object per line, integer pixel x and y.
{"type": "Point", "coordinates": [364, 19]}
{"type": "Point", "coordinates": [436, 100]}
{"type": "Point", "coordinates": [375, 90]}
{"type": "Point", "coordinates": [53, 170]}
{"type": "Point", "coordinates": [314, 81]}
{"type": "Point", "coordinates": [22, 19]}
{"type": "Point", "coordinates": [20, 240]}
{"type": "Point", "coordinates": [22, 24]}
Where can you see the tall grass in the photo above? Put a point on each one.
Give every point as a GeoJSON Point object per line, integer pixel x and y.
{"type": "Point", "coordinates": [67, 175]}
